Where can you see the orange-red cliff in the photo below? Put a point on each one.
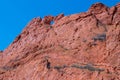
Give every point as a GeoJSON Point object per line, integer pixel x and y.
{"type": "Point", "coordinates": [84, 46]}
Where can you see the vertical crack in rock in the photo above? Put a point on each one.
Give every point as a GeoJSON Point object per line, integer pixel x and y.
{"type": "Point", "coordinates": [99, 23]}
{"type": "Point", "coordinates": [48, 65]}
{"type": "Point", "coordinates": [113, 14]}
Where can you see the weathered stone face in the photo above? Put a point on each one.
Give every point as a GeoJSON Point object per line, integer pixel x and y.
{"type": "Point", "coordinates": [83, 46]}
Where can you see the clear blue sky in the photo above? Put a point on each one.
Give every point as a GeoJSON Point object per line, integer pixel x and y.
{"type": "Point", "coordinates": [15, 14]}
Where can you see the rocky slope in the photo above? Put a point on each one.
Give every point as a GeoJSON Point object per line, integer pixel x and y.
{"type": "Point", "coordinates": [84, 46]}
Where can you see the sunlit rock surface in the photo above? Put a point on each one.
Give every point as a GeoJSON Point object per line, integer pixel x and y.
{"type": "Point", "coordinates": [84, 46]}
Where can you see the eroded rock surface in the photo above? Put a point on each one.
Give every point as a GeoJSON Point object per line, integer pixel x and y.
{"type": "Point", "coordinates": [83, 46]}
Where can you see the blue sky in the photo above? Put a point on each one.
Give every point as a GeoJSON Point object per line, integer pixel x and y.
{"type": "Point", "coordinates": [15, 14]}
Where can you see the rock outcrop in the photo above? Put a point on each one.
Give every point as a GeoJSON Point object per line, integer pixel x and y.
{"type": "Point", "coordinates": [84, 46]}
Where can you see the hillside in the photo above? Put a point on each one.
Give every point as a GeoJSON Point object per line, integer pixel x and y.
{"type": "Point", "coordinates": [83, 46]}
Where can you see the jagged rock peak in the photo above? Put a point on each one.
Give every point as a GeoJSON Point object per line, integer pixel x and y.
{"type": "Point", "coordinates": [98, 8]}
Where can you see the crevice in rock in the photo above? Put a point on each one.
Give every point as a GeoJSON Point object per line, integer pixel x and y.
{"type": "Point", "coordinates": [99, 23]}
{"type": "Point", "coordinates": [17, 39]}
{"type": "Point", "coordinates": [48, 65]}
{"type": "Point", "coordinates": [113, 14]}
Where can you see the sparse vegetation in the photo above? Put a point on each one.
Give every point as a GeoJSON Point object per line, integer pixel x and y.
{"type": "Point", "coordinates": [87, 67]}
{"type": "Point", "coordinates": [60, 67]}
{"type": "Point", "coordinates": [100, 37]}
{"type": "Point", "coordinates": [77, 66]}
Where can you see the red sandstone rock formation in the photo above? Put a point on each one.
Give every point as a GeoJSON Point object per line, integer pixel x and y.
{"type": "Point", "coordinates": [83, 46]}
